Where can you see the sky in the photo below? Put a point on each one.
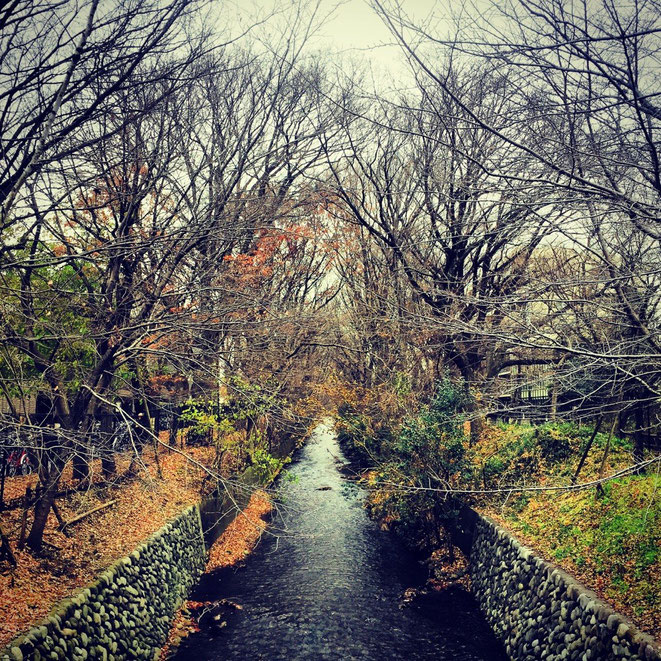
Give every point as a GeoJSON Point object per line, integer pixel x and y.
{"type": "Point", "coordinates": [351, 32]}
{"type": "Point", "coordinates": [355, 27]}
{"type": "Point", "coordinates": [347, 26]}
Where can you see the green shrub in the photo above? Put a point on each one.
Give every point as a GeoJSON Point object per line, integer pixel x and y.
{"type": "Point", "coordinates": [429, 451]}
{"type": "Point", "coordinates": [493, 467]}
{"type": "Point", "coordinates": [265, 466]}
{"type": "Point", "coordinates": [554, 443]}
{"type": "Point", "coordinates": [201, 420]}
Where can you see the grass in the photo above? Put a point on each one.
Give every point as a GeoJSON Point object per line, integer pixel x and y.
{"type": "Point", "coordinates": [610, 540]}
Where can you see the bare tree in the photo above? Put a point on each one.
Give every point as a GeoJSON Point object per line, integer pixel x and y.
{"type": "Point", "coordinates": [63, 67]}
{"type": "Point", "coordinates": [114, 253]}
{"type": "Point", "coordinates": [421, 185]}
{"type": "Point", "coordinates": [582, 113]}
{"type": "Point", "coordinates": [583, 74]}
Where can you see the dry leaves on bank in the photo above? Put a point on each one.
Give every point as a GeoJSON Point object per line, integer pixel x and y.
{"type": "Point", "coordinates": [144, 504]}
{"type": "Point", "coordinates": [237, 542]}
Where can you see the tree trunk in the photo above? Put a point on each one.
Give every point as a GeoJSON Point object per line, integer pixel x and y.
{"type": "Point", "coordinates": [81, 467]}
{"type": "Point", "coordinates": [108, 465]}
{"type": "Point", "coordinates": [554, 399]}
{"type": "Point", "coordinates": [5, 549]}
{"type": "Point", "coordinates": [476, 418]}
{"type": "Point", "coordinates": [584, 456]}
{"type": "Point", "coordinates": [3, 472]}
{"type": "Point", "coordinates": [476, 424]}
{"type": "Point", "coordinates": [42, 509]}
{"type": "Point", "coordinates": [174, 429]}
{"type": "Point", "coordinates": [45, 502]}
{"type": "Point", "coordinates": [473, 401]}
{"type": "Point", "coordinates": [602, 467]}
{"type": "Point", "coordinates": [639, 436]}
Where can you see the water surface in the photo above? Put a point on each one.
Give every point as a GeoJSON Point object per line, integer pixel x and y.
{"type": "Point", "coordinates": [327, 584]}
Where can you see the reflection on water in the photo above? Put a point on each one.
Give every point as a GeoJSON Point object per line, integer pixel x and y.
{"type": "Point", "coordinates": [327, 585]}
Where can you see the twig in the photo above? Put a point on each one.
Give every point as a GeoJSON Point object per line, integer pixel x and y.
{"type": "Point", "coordinates": [84, 515]}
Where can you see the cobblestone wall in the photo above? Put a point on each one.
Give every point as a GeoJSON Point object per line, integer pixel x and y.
{"type": "Point", "coordinates": [540, 612]}
{"type": "Point", "coordinates": [126, 614]}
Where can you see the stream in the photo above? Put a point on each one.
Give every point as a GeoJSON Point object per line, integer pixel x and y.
{"type": "Point", "coordinates": [326, 583]}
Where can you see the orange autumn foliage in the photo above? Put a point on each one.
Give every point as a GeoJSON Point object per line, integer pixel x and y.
{"type": "Point", "coordinates": [242, 534]}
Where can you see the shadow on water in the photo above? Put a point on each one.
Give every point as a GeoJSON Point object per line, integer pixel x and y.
{"type": "Point", "coordinates": [326, 584]}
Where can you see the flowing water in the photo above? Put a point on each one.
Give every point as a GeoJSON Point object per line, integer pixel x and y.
{"type": "Point", "coordinates": [327, 584]}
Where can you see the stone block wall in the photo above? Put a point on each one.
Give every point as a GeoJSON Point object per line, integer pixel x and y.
{"type": "Point", "coordinates": [126, 613]}
{"type": "Point", "coordinates": [540, 612]}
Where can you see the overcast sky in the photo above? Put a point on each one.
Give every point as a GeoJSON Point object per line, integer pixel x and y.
{"type": "Point", "coordinates": [355, 27]}
{"type": "Point", "coordinates": [348, 29]}
{"type": "Point", "coordinates": [347, 26]}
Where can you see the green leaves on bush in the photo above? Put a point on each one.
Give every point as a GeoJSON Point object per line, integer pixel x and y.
{"type": "Point", "coordinates": [428, 450]}
{"type": "Point", "coordinates": [265, 466]}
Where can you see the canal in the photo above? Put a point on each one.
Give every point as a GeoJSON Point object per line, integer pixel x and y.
{"type": "Point", "coordinates": [326, 583]}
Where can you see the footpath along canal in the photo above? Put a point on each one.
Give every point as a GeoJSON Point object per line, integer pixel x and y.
{"type": "Point", "coordinates": [326, 583]}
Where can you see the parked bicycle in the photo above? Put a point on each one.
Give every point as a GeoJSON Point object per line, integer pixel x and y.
{"type": "Point", "coordinates": [18, 462]}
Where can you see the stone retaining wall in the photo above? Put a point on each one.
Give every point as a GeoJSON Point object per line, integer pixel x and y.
{"type": "Point", "coordinates": [540, 612]}
{"type": "Point", "coordinates": [127, 613]}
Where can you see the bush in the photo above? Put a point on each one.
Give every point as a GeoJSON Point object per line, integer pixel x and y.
{"type": "Point", "coordinates": [429, 451]}
{"type": "Point", "coordinates": [519, 457]}
{"type": "Point", "coordinates": [201, 421]}
{"type": "Point", "coordinates": [553, 443]}
{"type": "Point", "coordinates": [363, 441]}
{"type": "Point", "coordinates": [426, 450]}
{"type": "Point", "coordinates": [265, 466]}
{"type": "Point", "coordinates": [493, 467]}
